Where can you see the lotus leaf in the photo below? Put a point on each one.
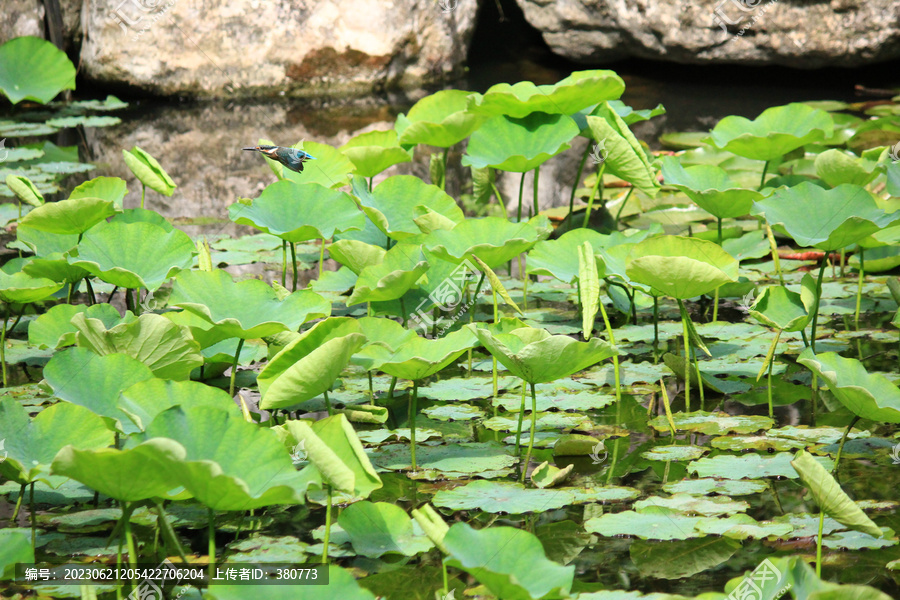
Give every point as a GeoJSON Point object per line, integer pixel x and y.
{"type": "Point", "coordinates": [393, 202]}
{"type": "Point", "coordinates": [21, 288]}
{"type": "Point", "coordinates": [297, 212]}
{"type": "Point", "coordinates": [624, 157]}
{"type": "Point", "coordinates": [112, 189]}
{"type": "Point", "coordinates": [31, 444]}
{"type": "Point", "coordinates": [15, 547]}
{"type": "Point", "coordinates": [356, 255]}
{"type": "Point", "coordinates": [331, 168]}
{"type": "Point", "coordinates": [492, 239]}
{"type": "Point", "coordinates": [780, 308]}
{"type": "Point", "coordinates": [401, 267]}
{"type": "Point", "coordinates": [867, 395]}
{"type": "Point", "coordinates": [440, 119]}
{"type": "Point", "coordinates": [148, 171]}
{"type": "Point", "coordinates": [710, 187]}
{"type": "Point", "coordinates": [24, 189]}
{"type": "Point", "coordinates": [559, 258]}
{"type": "Point", "coordinates": [774, 133]}
{"type": "Point", "coordinates": [245, 309]}
{"type": "Point", "coordinates": [380, 528]}
{"type": "Point", "coordinates": [579, 90]}
{"type": "Point", "coordinates": [72, 216]}
{"type": "Point", "coordinates": [680, 267]}
{"type": "Point", "coordinates": [417, 358]}
{"type": "Point", "coordinates": [54, 328]}
{"type": "Point", "coordinates": [34, 69]}
{"type": "Point", "coordinates": [519, 144]}
{"type": "Point", "coordinates": [374, 151]}
{"type": "Point", "coordinates": [509, 562]}
{"type": "Point", "coordinates": [144, 400]}
{"type": "Point", "coordinates": [826, 219]}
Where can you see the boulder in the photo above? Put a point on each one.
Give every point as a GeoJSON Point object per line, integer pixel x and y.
{"type": "Point", "coordinates": [271, 47]}
{"type": "Point", "coordinates": [842, 33]}
{"type": "Point", "coordinates": [21, 18]}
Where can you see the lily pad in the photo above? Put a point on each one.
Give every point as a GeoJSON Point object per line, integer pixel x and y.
{"type": "Point", "coordinates": [380, 528]}
{"type": "Point", "coordinates": [750, 466]}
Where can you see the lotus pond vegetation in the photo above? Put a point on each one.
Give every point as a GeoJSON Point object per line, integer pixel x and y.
{"type": "Point", "coordinates": [697, 399]}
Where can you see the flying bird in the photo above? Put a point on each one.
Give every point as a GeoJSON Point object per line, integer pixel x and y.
{"type": "Point", "coordinates": [291, 158]}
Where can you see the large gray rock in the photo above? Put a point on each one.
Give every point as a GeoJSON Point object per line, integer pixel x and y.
{"type": "Point", "coordinates": [260, 47]}
{"type": "Point", "coordinates": [796, 34]}
{"type": "Point", "coordinates": [20, 18]}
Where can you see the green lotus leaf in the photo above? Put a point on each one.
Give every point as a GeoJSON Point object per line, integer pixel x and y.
{"type": "Point", "coordinates": [867, 395]}
{"type": "Point", "coordinates": [622, 153]}
{"type": "Point", "coordinates": [54, 328]}
{"type": "Point", "coordinates": [15, 547]}
{"type": "Point", "coordinates": [780, 308]}
{"type": "Point", "coordinates": [34, 69]}
{"type": "Point", "coordinates": [519, 144]}
{"type": "Point", "coordinates": [341, 586]}
{"type": "Point", "coordinates": [502, 497]}
{"type": "Point", "coordinates": [393, 202]}
{"type": "Point", "coordinates": [492, 239]}
{"type": "Point", "coordinates": [148, 171]}
{"type": "Point", "coordinates": [146, 399]}
{"type": "Point", "coordinates": [336, 455]}
{"type": "Point", "coordinates": [356, 255]}
{"type": "Point", "coordinates": [710, 188]}
{"type": "Point", "coordinates": [44, 243]}
{"type": "Point", "coordinates": [100, 379]}
{"type": "Point", "coordinates": [384, 332]}
{"type": "Point", "coordinates": [439, 119]}
{"type": "Point", "coordinates": [112, 189]}
{"type": "Point", "coordinates": [749, 466]}
{"type": "Point", "coordinates": [330, 169]}
{"type": "Point", "coordinates": [417, 358]}
{"type": "Point", "coordinates": [374, 151]}
{"type": "Point", "coordinates": [31, 444]}
{"type": "Point", "coordinates": [680, 558]}
{"type": "Point", "coordinates": [134, 255]}
{"type": "Point", "coordinates": [826, 219]}
{"type": "Point", "coordinates": [129, 475]}
{"type": "Point", "coordinates": [297, 212]}
{"type": "Point", "coordinates": [832, 500]}
{"type": "Point", "coordinates": [380, 528]}
{"type": "Point", "coordinates": [685, 503]}
{"type": "Point", "coordinates": [559, 258]}
{"type": "Point", "coordinates": [837, 167]}
{"type": "Point", "coordinates": [631, 116]}
{"type": "Point", "coordinates": [245, 309]}
{"type": "Point", "coordinates": [509, 562]}
{"type": "Point", "coordinates": [402, 266]}
{"type": "Point", "coordinates": [546, 475]}
{"type": "Point", "coordinates": [308, 366]}
{"type": "Point", "coordinates": [680, 267]}
{"type": "Point", "coordinates": [208, 466]}
{"type": "Point", "coordinates": [168, 349]}
{"type": "Point", "coordinates": [24, 189]}
{"type": "Point", "coordinates": [55, 267]}
{"type": "Point", "coordinates": [73, 216]}
{"type": "Point", "coordinates": [774, 133]}
{"type": "Point", "coordinates": [538, 357]}
{"type": "Point", "coordinates": [579, 90]}
{"type": "Point", "coordinates": [21, 288]}
{"type": "Point", "coordinates": [652, 523]}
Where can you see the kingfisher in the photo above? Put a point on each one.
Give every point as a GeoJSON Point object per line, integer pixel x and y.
{"type": "Point", "coordinates": [291, 158]}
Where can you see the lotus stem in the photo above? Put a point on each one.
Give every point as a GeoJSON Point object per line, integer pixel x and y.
{"type": "Point", "coordinates": [762, 180]}
{"type": "Point", "coordinates": [321, 257]}
{"type": "Point", "coordinates": [391, 388]}
{"type": "Point", "coordinates": [18, 504]}
{"type": "Point", "coordinates": [612, 341]}
{"type": "Point", "coordinates": [284, 263]}
{"type": "Point", "coordinates": [775, 258]}
{"type": "Point", "coordinates": [716, 306]}
{"type": "Point", "coordinates": [444, 170]}
{"type": "Point", "coordinates": [770, 362]}
{"type": "Point", "coordinates": [587, 152]}
{"type": "Point", "coordinates": [328, 404]}
{"type": "Point", "coordinates": [90, 290]}
{"type": "Point", "coordinates": [33, 517]}
{"type": "Point", "coordinates": [597, 184]}
{"type": "Point", "coordinates": [655, 330]}
{"type": "Point", "coordinates": [234, 366]}
{"type": "Point", "coordinates": [687, 357]}
{"type": "Point", "coordinates": [521, 418]}
{"type": "Point", "coordinates": [211, 546]}
{"type": "Point", "coordinates": [412, 425]}
{"type": "Point", "coordinates": [327, 538]}
{"type": "Point", "coordinates": [615, 460]}
{"type": "Point", "coordinates": [537, 176]}
{"type": "Point", "coordinates": [775, 497]}
{"type": "Point", "coordinates": [499, 199]}
{"type": "Point", "coordinates": [622, 206]}
{"type": "Point", "coordinates": [143, 191]}
{"type": "Point", "coordinates": [127, 509]}
{"type": "Point", "coordinates": [168, 533]}
{"type": "Point", "coordinates": [521, 188]}
{"type": "Point", "coordinates": [371, 388]}
{"type": "Point", "coordinates": [837, 458]}
{"type": "Point", "coordinates": [819, 543]}
{"type": "Point", "coordinates": [812, 338]}
{"type": "Point", "coordinates": [699, 378]}
{"type": "Point", "coordinates": [531, 434]}
{"type": "Point", "coordinates": [3, 349]}
{"type": "Point", "coordinates": [294, 262]}
{"type": "Point", "coordinates": [862, 274]}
